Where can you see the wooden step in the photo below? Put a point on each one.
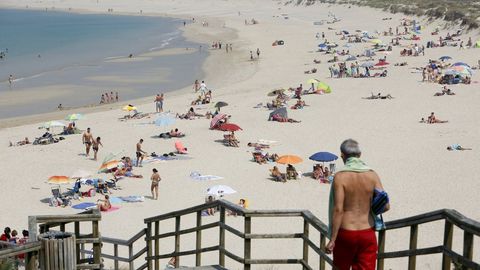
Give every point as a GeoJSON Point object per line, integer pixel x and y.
{"type": "Point", "coordinates": [211, 267]}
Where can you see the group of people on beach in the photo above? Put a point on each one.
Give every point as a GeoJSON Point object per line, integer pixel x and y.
{"type": "Point", "coordinates": [109, 98]}
{"type": "Point", "coordinates": [89, 142]}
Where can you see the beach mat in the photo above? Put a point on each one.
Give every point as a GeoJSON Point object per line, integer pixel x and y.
{"type": "Point", "coordinates": [113, 208]}
{"type": "Point", "coordinates": [116, 200]}
{"type": "Point", "coordinates": [199, 177]}
{"type": "Point", "coordinates": [83, 206]}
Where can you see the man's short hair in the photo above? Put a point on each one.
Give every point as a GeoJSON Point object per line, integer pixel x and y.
{"type": "Point", "coordinates": [350, 148]}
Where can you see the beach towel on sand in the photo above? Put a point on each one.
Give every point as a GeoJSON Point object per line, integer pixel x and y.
{"type": "Point", "coordinates": [132, 199]}
{"type": "Point", "coordinates": [113, 208]}
{"type": "Point", "coordinates": [83, 206]}
{"type": "Point", "coordinates": [352, 164]}
{"type": "Point", "coordinates": [199, 177]}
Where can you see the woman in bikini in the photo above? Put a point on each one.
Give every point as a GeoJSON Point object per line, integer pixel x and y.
{"type": "Point", "coordinates": [155, 180]}
{"type": "Point", "coordinates": [105, 204]}
{"type": "Point", "coordinates": [95, 144]}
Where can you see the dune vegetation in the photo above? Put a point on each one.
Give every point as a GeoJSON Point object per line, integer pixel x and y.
{"type": "Point", "coordinates": [464, 12]}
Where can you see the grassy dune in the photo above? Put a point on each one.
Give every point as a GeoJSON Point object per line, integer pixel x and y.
{"type": "Point", "coordinates": [464, 12]}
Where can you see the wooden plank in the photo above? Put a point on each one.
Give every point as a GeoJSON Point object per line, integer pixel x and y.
{"type": "Point", "coordinates": [183, 253]}
{"type": "Point", "coordinates": [77, 235]}
{"type": "Point", "coordinates": [221, 237]}
{"type": "Point", "coordinates": [130, 255]}
{"type": "Point", "coordinates": [185, 231]}
{"type": "Point", "coordinates": [198, 240]}
{"type": "Point", "coordinates": [177, 241]}
{"type": "Point", "coordinates": [97, 250]}
{"type": "Point", "coordinates": [408, 252]}
{"type": "Point", "coordinates": [157, 244]}
{"type": "Point", "coordinates": [247, 243]}
{"type": "Point", "coordinates": [467, 247]}
{"type": "Point", "coordinates": [381, 249]}
{"type": "Point", "coordinates": [149, 245]}
{"type": "Point", "coordinates": [32, 228]}
{"type": "Point", "coordinates": [462, 260]}
{"type": "Point", "coordinates": [274, 236]}
{"type": "Point", "coordinates": [60, 254]}
{"type": "Point", "coordinates": [322, 248]}
{"type": "Point", "coordinates": [412, 260]}
{"type": "Point", "coordinates": [306, 228]}
{"type": "Point", "coordinates": [447, 243]}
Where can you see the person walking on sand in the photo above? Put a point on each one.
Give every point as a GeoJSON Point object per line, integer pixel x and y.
{"type": "Point", "coordinates": [116, 96]}
{"type": "Point", "coordinates": [196, 85]}
{"type": "Point", "coordinates": [352, 240]}
{"type": "Point", "coordinates": [10, 80]}
{"type": "Point", "coordinates": [258, 53]}
{"type": "Point", "coordinates": [140, 153]}
{"type": "Point", "coordinates": [87, 139]}
{"type": "Point", "coordinates": [95, 145]}
{"type": "Point", "coordinates": [251, 55]}
{"type": "Point", "coordinates": [203, 88]}
{"type": "Point", "coordinates": [159, 103]}
{"type": "Point", "coordinates": [155, 181]}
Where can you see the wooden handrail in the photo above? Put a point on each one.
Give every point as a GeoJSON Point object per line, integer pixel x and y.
{"type": "Point", "coordinates": [20, 249]}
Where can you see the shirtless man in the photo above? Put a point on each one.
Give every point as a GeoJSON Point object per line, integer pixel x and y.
{"type": "Point", "coordinates": [140, 153]}
{"type": "Point", "coordinates": [155, 180]}
{"type": "Point", "coordinates": [87, 139]}
{"type": "Point", "coordinates": [353, 241]}
{"type": "Point", "coordinates": [95, 144]}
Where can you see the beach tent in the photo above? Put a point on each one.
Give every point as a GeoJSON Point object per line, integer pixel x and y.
{"type": "Point", "coordinates": [324, 87]}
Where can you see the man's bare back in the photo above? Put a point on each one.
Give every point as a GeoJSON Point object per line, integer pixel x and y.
{"type": "Point", "coordinates": [356, 191]}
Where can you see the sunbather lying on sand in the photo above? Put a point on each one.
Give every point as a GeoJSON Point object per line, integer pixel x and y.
{"type": "Point", "coordinates": [189, 115]}
{"type": "Point", "coordinates": [379, 96]}
{"type": "Point", "coordinates": [299, 105]}
{"type": "Point", "coordinates": [258, 145]}
{"type": "Point", "coordinates": [433, 120]}
{"type": "Point", "coordinates": [20, 143]}
{"type": "Point", "coordinates": [279, 118]}
{"type": "Point", "coordinates": [457, 147]}
{"type": "Point", "coordinates": [445, 91]}
{"type": "Point", "coordinates": [124, 172]}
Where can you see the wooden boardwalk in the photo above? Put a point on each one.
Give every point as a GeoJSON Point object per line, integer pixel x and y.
{"type": "Point", "coordinates": [211, 267]}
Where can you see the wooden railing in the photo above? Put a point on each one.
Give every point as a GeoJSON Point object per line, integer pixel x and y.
{"type": "Point", "coordinates": [133, 255]}
{"type": "Point", "coordinates": [45, 223]}
{"type": "Point", "coordinates": [452, 219]}
{"type": "Point", "coordinates": [153, 236]}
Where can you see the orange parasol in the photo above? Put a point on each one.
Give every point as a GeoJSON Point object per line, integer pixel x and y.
{"type": "Point", "coordinates": [289, 159]}
{"type": "Point", "coordinates": [108, 166]}
{"type": "Point", "coordinates": [59, 179]}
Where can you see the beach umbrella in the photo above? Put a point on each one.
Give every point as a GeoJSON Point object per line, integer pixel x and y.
{"type": "Point", "coordinates": [375, 41]}
{"type": "Point", "coordinates": [165, 120]}
{"type": "Point", "coordinates": [220, 190]}
{"type": "Point", "coordinates": [221, 104]}
{"type": "Point", "coordinates": [129, 108]}
{"type": "Point", "coordinates": [229, 127]}
{"type": "Point", "coordinates": [351, 58]}
{"type": "Point", "coordinates": [324, 87]}
{"type": "Point", "coordinates": [445, 57]}
{"type": "Point", "coordinates": [108, 166]}
{"type": "Point", "coordinates": [460, 64]}
{"type": "Point", "coordinates": [59, 180]}
{"type": "Point", "coordinates": [276, 92]}
{"type": "Point", "coordinates": [216, 119]}
{"type": "Point", "coordinates": [323, 157]}
{"type": "Point", "coordinates": [382, 63]}
{"type": "Point", "coordinates": [312, 81]}
{"type": "Point", "coordinates": [368, 64]}
{"type": "Point", "coordinates": [289, 159]}
{"type": "Point", "coordinates": [280, 111]}
{"type": "Point", "coordinates": [74, 117]}
{"type": "Point", "coordinates": [80, 173]}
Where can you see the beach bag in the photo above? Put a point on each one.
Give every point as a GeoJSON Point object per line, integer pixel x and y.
{"type": "Point", "coordinates": [379, 201]}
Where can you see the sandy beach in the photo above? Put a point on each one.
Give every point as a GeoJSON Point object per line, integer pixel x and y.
{"type": "Point", "coordinates": [410, 157]}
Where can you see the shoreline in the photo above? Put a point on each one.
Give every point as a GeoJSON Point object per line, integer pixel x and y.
{"type": "Point", "coordinates": [93, 108]}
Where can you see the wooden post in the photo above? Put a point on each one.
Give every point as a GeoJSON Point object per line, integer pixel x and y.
{"type": "Point", "coordinates": [157, 245]}
{"type": "Point", "coordinates": [149, 245]}
{"type": "Point", "coordinates": [198, 245]}
{"type": "Point", "coordinates": [467, 246]}
{"type": "Point", "coordinates": [77, 236]}
{"type": "Point", "coordinates": [221, 254]}
{"type": "Point", "coordinates": [97, 249]}
{"type": "Point", "coordinates": [322, 248]}
{"type": "Point", "coordinates": [177, 241]}
{"type": "Point", "coordinates": [130, 255]}
{"type": "Point", "coordinates": [412, 260]}
{"type": "Point", "coordinates": [31, 260]}
{"type": "Point", "coordinates": [381, 249]}
{"type": "Point", "coordinates": [447, 243]}
{"type": "Point", "coordinates": [32, 257]}
{"type": "Point", "coordinates": [115, 253]}
{"type": "Point", "coordinates": [305, 243]}
{"type": "Point", "coordinates": [247, 243]}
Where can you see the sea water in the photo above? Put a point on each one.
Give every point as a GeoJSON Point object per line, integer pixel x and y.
{"type": "Point", "coordinates": [42, 48]}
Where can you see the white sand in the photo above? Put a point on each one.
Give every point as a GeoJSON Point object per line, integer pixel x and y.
{"type": "Point", "coordinates": [411, 158]}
